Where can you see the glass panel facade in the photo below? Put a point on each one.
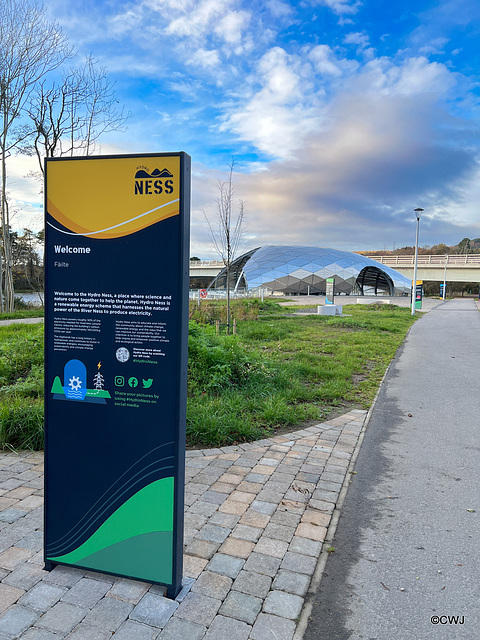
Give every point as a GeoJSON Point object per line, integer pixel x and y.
{"type": "Point", "coordinates": [303, 270]}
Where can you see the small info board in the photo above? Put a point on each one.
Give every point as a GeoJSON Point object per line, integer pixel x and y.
{"type": "Point", "coordinates": [116, 331]}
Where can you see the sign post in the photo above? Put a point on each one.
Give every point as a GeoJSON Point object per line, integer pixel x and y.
{"type": "Point", "coordinates": [116, 330]}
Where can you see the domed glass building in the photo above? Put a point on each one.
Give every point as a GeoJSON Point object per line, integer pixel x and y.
{"type": "Point", "coordinates": [300, 270]}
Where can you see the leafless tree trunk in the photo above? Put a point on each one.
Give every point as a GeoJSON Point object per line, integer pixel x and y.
{"type": "Point", "coordinates": [30, 47]}
{"type": "Point", "coordinates": [229, 228]}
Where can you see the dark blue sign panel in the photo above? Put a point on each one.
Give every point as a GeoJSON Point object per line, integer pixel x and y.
{"type": "Point", "coordinates": [117, 268]}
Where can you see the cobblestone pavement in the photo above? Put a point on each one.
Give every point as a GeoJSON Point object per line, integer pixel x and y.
{"type": "Point", "coordinates": [256, 516]}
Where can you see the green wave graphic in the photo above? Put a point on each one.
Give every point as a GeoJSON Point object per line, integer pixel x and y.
{"type": "Point", "coordinates": [150, 510]}
{"type": "Point", "coordinates": [146, 557]}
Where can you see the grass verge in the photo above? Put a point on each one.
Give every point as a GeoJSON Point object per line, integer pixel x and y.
{"type": "Point", "coordinates": [279, 371]}
{"type": "Point", "coordinates": [21, 386]}
{"type": "Point", "coordinates": [23, 313]}
{"type": "Point", "coordinates": [292, 369]}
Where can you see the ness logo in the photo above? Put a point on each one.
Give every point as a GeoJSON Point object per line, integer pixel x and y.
{"type": "Point", "coordinates": [156, 182]}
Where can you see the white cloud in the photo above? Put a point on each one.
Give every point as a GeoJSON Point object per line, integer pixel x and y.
{"type": "Point", "coordinates": [340, 7]}
{"type": "Point", "coordinates": [161, 5]}
{"type": "Point", "coordinates": [435, 46]}
{"type": "Point", "coordinates": [415, 76]}
{"type": "Point", "coordinates": [291, 99]}
{"type": "Point", "coordinates": [231, 27]}
{"type": "Point", "coordinates": [205, 59]}
{"type": "Point", "coordinates": [19, 167]}
{"type": "Point", "coordinates": [196, 19]}
{"type": "Point", "coordinates": [126, 22]}
{"type": "Point", "coordinates": [362, 41]}
{"type": "Point", "coordinates": [275, 118]}
{"type": "Point", "coordinates": [280, 9]}
{"type": "Point", "coordinates": [419, 75]}
{"type": "Point", "coordinates": [280, 78]}
{"type": "Point", "coordinates": [357, 38]}
{"type": "Point", "coordinates": [323, 59]}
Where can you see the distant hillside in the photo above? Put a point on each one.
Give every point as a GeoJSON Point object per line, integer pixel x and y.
{"type": "Point", "coordinates": [464, 246]}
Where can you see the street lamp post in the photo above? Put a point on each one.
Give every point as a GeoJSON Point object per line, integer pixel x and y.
{"type": "Point", "coordinates": [445, 277]}
{"type": "Point", "coordinates": [418, 213]}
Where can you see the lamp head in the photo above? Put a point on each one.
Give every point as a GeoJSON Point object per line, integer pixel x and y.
{"type": "Point", "coordinates": [418, 212]}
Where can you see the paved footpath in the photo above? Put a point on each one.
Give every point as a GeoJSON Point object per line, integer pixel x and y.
{"type": "Point", "coordinates": [21, 321]}
{"type": "Point", "coordinates": [407, 555]}
{"type": "Point", "coordinates": [256, 517]}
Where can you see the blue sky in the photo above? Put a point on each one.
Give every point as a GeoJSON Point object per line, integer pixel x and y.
{"type": "Point", "coordinates": [342, 116]}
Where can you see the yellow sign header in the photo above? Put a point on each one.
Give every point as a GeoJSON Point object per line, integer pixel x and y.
{"type": "Point", "coordinates": [112, 197]}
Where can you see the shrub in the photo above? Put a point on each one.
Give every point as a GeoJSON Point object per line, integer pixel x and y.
{"type": "Point", "coordinates": [217, 361]}
{"type": "Point", "coordinates": [209, 311]}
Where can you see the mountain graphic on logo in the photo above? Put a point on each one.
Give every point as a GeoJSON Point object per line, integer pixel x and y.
{"type": "Point", "coordinates": [155, 174]}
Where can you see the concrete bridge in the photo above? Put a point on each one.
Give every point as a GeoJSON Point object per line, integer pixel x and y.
{"type": "Point", "coordinates": [460, 267]}
{"type": "Point", "coordinates": [210, 268]}
{"type": "Point", "coordinates": [202, 272]}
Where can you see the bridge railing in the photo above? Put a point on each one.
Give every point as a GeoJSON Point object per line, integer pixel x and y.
{"type": "Point", "coordinates": [389, 260]}
{"type": "Point", "coordinates": [205, 263]}
{"type": "Point", "coordinates": [438, 260]}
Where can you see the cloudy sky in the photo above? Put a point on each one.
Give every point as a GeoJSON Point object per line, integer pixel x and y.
{"type": "Point", "coordinates": [342, 116]}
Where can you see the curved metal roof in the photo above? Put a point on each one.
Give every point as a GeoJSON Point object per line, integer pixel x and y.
{"type": "Point", "coordinates": [301, 269]}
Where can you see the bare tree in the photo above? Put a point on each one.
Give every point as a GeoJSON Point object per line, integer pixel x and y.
{"type": "Point", "coordinates": [30, 47]}
{"type": "Point", "coordinates": [68, 118]}
{"type": "Point", "coordinates": [228, 230]}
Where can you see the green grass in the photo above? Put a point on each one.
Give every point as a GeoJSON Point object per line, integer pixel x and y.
{"type": "Point", "coordinates": [280, 370]}
{"type": "Point", "coordinates": [23, 313]}
{"type": "Point", "coordinates": [295, 368]}
{"type": "Point", "coordinates": [21, 386]}
{"type": "Point", "coordinates": [21, 424]}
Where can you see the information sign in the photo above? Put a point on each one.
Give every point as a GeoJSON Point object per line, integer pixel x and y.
{"type": "Point", "coordinates": [116, 329]}
{"type": "Point", "coordinates": [330, 290]}
{"type": "Point", "coordinates": [419, 294]}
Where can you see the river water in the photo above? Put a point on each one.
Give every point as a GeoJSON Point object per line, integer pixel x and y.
{"type": "Point", "coordinates": [35, 299]}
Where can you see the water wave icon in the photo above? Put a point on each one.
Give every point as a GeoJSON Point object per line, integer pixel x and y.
{"type": "Point", "coordinates": [74, 394]}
